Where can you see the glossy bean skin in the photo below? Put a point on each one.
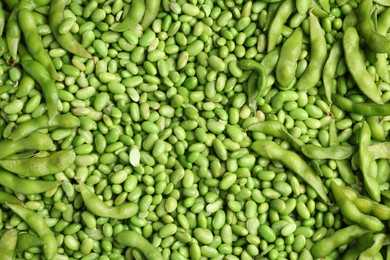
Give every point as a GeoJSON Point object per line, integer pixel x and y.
{"type": "Point", "coordinates": [356, 65]}
{"type": "Point", "coordinates": [293, 161]}
{"type": "Point", "coordinates": [67, 41]}
{"type": "Point", "coordinates": [313, 71]}
{"type": "Point", "coordinates": [40, 166]}
{"type": "Point", "coordinates": [99, 208]}
{"type": "Point", "coordinates": [135, 15]}
{"type": "Point", "coordinates": [133, 239]}
{"type": "Point", "coordinates": [38, 224]}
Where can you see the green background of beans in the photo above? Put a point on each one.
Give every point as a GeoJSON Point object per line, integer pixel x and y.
{"type": "Point", "coordinates": [194, 129]}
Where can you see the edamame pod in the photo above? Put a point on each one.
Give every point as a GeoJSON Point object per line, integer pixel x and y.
{"type": "Point", "coordinates": [61, 121]}
{"type": "Point", "coordinates": [66, 40]}
{"type": "Point", "coordinates": [341, 237]}
{"type": "Point", "coordinates": [25, 186]}
{"type": "Point", "coordinates": [99, 208]}
{"type": "Point", "coordinates": [135, 15]}
{"type": "Point", "coordinates": [152, 8]}
{"type": "Point", "coordinates": [135, 240]}
{"type": "Point", "coordinates": [35, 141]}
{"type": "Point", "coordinates": [313, 72]}
{"type": "Point", "coordinates": [38, 224]}
{"type": "Point", "coordinates": [8, 244]}
{"type": "Point", "coordinates": [357, 67]}
{"type": "Point", "coordinates": [40, 166]}
{"type": "Point", "coordinates": [294, 162]}
{"type": "Point", "coordinates": [289, 55]}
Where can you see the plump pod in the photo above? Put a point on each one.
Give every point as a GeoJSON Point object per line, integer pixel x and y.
{"type": "Point", "coordinates": [40, 166]}
{"type": "Point", "coordinates": [38, 224]}
{"type": "Point", "coordinates": [375, 41]}
{"type": "Point", "coordinates": [38, 72]}
{"type": "Point", "coordinates": [313, 72]}
{"type": "Point", "coordinates": [351, 212]}
{"type": "Point", "coordinates": [365, 109]}
{"type": "Point", "coordinates": [66, 40]}
{"type": "Point", "coordinates": [293, 161]}
{"type": "Point", "coordinates": [35, 141]}
{"type": "Point", "coordinates": [133, 239]}
{"type": "Point", "coordinates": [365, 161]}
{"type": "Point", "coordinates": [8, 244]}
{"type": "Point", "coordinates": [99, 208]}
{"type": "Point", "coordinates": [274, 31]}
{"type": "Point", "coordinates": [61, 121]}
{"type": "Point", "coordinates": [341, 237]}
{"type": "Point", "coordinates": [356, 65]}
{"type": "Point", "coordinates": [289, 55]}
{"type": "Point", "coordinates": [152, 8]}
{"type": "Point", "coordinates": [335, 152]}
{"type": "Point", "coordinates": [25, 186]}
{"type": "Point", "coordinates": [135, 15]}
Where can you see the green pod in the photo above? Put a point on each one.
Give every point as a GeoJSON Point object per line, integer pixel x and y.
{"type": "Point", "coordinates": [61, 121]}
{"type": "Point", "coordinates": [293, 161]}
{"type": "Point", "coordinates": [313, 72]}
{"type": "Point", "coordinates": [99, 208]}
{"type": "Point", "coordinates": [289, 55]}
{"type": "Point", "coordinates": [341, 237]}
{"type": "Point", "coordinates": [40, 166]}
{"type": "Point", "coordinates": [8, 244]}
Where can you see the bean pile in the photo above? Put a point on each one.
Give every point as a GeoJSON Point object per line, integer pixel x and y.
{"type": "Point", "coordinates": [194, 129]}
